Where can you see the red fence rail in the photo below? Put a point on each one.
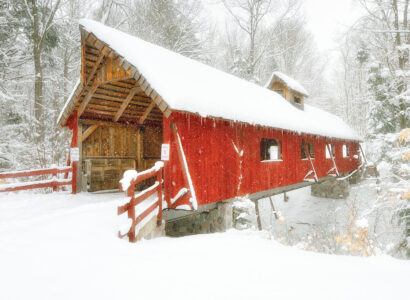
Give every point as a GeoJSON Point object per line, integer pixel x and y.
{"type": "Point", "coordinates": [128, 184]}
{"type": "Point", "coordinates": [52, 183]}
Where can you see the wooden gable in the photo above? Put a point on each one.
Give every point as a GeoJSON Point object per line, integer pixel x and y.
{"type": "Point", "coordinates": [112, 89]}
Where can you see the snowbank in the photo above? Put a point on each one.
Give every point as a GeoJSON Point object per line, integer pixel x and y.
{"type": "Point", "coordinates": [61, 246]}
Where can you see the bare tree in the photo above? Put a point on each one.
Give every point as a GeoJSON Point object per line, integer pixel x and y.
{"type": "Point", "coordinates": [251, 17]}
{"type": "Point", "coordinates": [175, 25]}
{"type": "Point", "coordinates": [41, 16]}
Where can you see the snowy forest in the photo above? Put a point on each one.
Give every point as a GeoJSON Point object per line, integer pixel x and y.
{"type": "Point", "coordinates": [365, 80]}
{"type": "Point", "coordinates": [40, 53]}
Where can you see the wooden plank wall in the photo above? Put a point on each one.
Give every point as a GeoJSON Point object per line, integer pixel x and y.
{"type": "Point", "coordinates": [111, 150]}
{"type": "Point", "coordinates": [216, 168]}
{"type": "Point", "coordinates": [112, 142]}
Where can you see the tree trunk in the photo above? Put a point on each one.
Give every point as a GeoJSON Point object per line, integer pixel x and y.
{"type": "Point", "coordinates": [402, 85]}
{"type": "Point", "coordinates": [38, 71]}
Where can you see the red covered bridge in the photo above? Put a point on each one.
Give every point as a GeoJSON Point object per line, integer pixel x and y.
{"type": "Point", "coordinates": [227, 137]}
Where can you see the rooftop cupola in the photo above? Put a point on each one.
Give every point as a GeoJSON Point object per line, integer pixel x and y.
{"type": "Point", "coordinates": [288, 88]}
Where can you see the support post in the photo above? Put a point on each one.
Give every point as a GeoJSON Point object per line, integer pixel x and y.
{"type": "Point", "coordinates": [362, 152]}
{"type": "Point", "coordinates": [329, 149]}
{"type": "Point", "coordinates": [167, 140]}
{"type": "Point", "coordinates": [310, 160]}
{"type": "Point", "coordinates": [131, 213]}
{"type": "Point", "coordinates": [159, 179]}
{"type": "Point", "coordinates": [73, 145]}
{"type": "Point", "coordinates": [140, 149]}
{"type": "Point", "coordinates": [79, 170]}
{"type": "Point", "coordinates": [55, 178]}
{"type": "Point", "coordinates": [258, 217]}
{"type": "Point", "coordinates": [273, 207]}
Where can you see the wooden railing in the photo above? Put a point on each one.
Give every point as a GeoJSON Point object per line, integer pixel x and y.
{"type": "Point", "coordinates": [130, 179]}
{"type": "Point", "coordinates": [28, 185]}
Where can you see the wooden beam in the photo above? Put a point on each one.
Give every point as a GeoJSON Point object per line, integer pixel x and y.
{"type": "Point", "coordinates": [83, 40]}
{"type": "Point", "coordinates": [185, 172]}
{"type": "Point", "coordinates": [87, 98]}
{"type": "Point", "coordinates": [329, 149]}
{"type": "Point", "coordinates": [146, 113]}
{"type": "Point", "coordinates": [258, 216]}
{"type": "Point", "coordinates": [125, 104]}
{"type": "Point", "coordinates": [362, 152]}
{"type": "Point", "coordinates": [79, 163]}
{"type": "Point", "coordinates": [140, 150]}
{"type": "Point", "coordinates": [116, 79]}
{"type": "Point", "coordinates": [89, 131]}
{"type": "Point", "coordinates": [310, 160]}
{"type": "Point", "coordinates": [103, 54]}
{"type": "Point", "coordinates": [112, 124]}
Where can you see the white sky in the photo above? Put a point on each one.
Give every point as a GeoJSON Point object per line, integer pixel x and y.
{"type": "Point", "coordinates": [328, 18]}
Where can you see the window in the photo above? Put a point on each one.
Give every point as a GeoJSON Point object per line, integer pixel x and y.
{"type": "Point", "coordinates": [310, 149]}
{"type": "Point", "coordinates": [332, 149]}
{"type": "Point", "coordinates": [271, 149]}
{"type": "Point", "coordinates": [297, 100]}
{"type": "Point", "coordinates": [345, 150]}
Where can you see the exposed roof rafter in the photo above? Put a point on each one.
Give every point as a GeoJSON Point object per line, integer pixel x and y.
{"type": "Point", "coordinates": [147, 112]}
{"type": "Point", "coordinates": [125, 103]}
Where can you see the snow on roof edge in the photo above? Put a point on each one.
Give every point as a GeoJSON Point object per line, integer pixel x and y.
{"type": "Point", "coordinates": [77, 84]}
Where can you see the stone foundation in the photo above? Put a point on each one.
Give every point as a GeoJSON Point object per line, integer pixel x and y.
{"type": "Point", "coordinates": [151, 230]}
{"type": "Point", "coordinates": [356, 177]}
{"type": "Point", "coordinates": [218, 219]}
{"type": "Point", "coordinates": [332, 188]}
{"type": "Point", "coordinates": [370, 171]}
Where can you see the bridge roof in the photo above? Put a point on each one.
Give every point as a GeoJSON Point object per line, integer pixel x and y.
{"type": "Point", "coordinates": [191, 86]}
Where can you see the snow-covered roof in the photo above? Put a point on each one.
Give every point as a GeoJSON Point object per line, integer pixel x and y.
{"type": "Point", "coordinates": [290, 83]}
{"type": "Point", "coordinates": [188, 85]}
{"type": "Point", "coordinates": [76, 88]}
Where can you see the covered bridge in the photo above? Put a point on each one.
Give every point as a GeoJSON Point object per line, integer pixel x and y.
{"type": "Point", "coordinates": [227, 137]}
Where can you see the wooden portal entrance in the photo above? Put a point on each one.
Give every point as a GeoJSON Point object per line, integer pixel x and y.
{"type": "Point", "coordinates": [111, 149]}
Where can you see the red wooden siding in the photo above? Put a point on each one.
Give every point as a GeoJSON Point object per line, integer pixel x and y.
{"type": "Point", "coordinates": [216, 167]}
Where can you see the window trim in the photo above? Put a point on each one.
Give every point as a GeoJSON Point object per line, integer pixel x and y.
{"type": "Point", "coordinates": [278, 144]}
{"type": "Point", "coordinates": [272, 160]}
{"type": "Point", "coordinates": [302, 150]}
{"type": "Point", "coordinates": [347, 151]}
{"type": "Point", "coordinates": [332, 148]}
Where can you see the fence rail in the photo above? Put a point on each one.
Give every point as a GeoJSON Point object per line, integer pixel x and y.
{"type": "Point", "coordinates": [130, 179]}
{"type": "Point", "coordinates": [52, 183]}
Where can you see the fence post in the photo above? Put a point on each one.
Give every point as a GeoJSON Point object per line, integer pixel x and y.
{"type": "Point", "coordinates": [159, 179]}
{"type": "Point", "coordinates": [54, 183]}
{"type": "Point", "coordinates": [131, 211]}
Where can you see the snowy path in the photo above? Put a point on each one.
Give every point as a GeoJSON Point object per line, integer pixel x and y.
{"type": "Point", "coordinates": [65, 247]}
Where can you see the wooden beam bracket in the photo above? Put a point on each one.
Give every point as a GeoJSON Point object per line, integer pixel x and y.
{"type": "Point", "coordinates": [146, 113]}
{"type": "Point", "coordinates": [329, 149]}
{"type": "Point", "coordinates": [89, 131]}
{"type": "Point", "coordinates": [311, 163]}
{"type": "Point", "coordinates": [124, 104]}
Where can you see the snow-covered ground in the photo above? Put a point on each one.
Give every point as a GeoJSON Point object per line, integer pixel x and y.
{"type": "Point", "coordinates": [317, 221]}
{"type": "Point", "coordinates": [303, 214]}
{"type": "Point", "coordinates": [60, 246]}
